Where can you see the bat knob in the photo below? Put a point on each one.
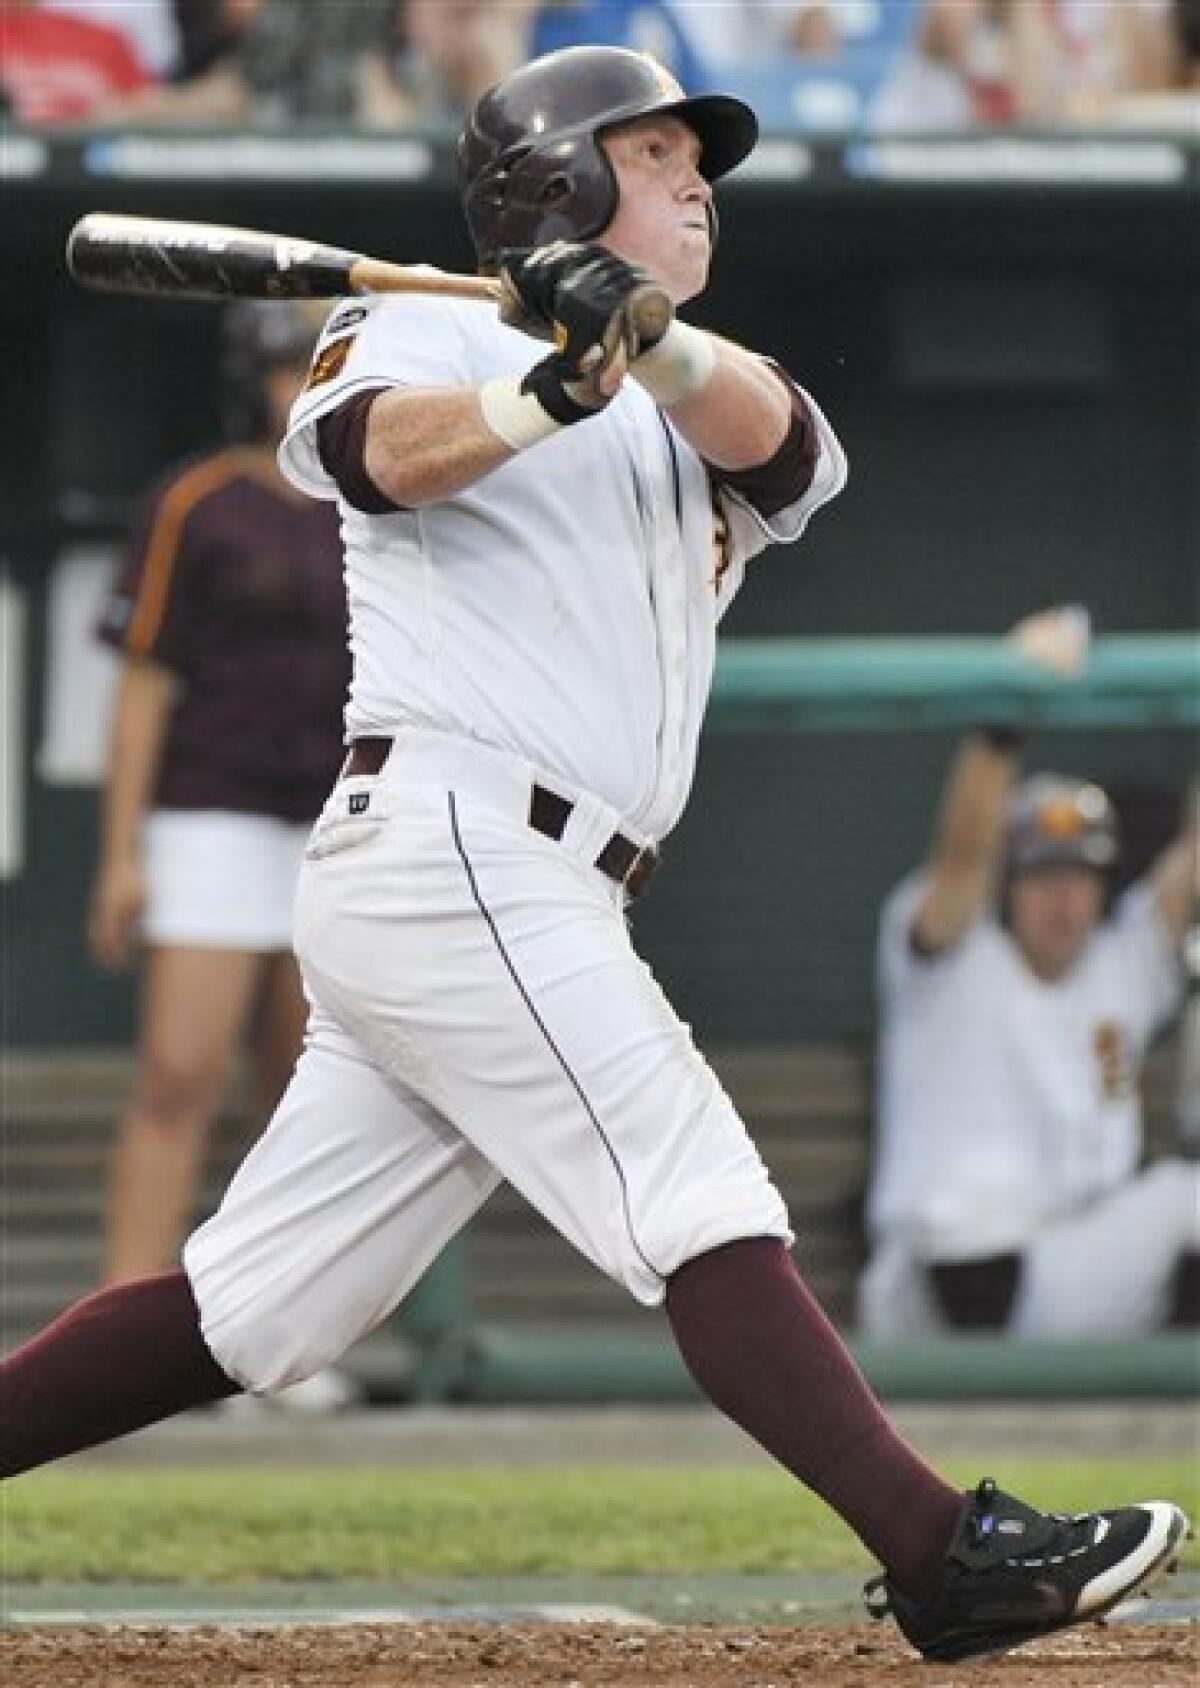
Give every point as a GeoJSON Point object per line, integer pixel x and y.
{"type": "Point", "coordinates": [650, 312]}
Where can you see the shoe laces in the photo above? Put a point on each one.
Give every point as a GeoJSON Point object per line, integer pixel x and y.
{"type": "Point", "coordinates": [1039, 1537]}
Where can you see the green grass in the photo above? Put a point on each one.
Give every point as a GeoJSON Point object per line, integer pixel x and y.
{"type": "Point", "coordinates": [96, 1525]}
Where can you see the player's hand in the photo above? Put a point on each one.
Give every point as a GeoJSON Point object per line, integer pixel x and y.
{"type": "Point", "coordinates": [580, 296]}
{"type": "Point", "coordinates": [1056, 640]}
{"type": "Point", "coordinates": [118, 898]}
{"type": "Point", "coordinates": [577, 294]}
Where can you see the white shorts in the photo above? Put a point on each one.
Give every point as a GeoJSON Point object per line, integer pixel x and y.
{"type": "Point", "coordinates": [220, 880]}
{"type": "Point", "coordinates": [478, 1013]}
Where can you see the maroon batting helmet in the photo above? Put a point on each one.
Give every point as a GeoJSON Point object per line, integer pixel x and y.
{"type": "Point", "coordinates": [530, 164]}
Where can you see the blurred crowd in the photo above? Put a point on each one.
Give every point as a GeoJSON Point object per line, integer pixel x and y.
{"type": "Point", "coordinates": [886, 65]}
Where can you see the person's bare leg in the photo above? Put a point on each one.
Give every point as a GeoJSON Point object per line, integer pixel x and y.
{"type": "Point", "coordinates": [280, 1019]}
{"type": "Point", "coordinates": [194, 1006]}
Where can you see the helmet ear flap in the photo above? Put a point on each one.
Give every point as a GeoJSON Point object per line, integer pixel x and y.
{"type": "Point", "coordinates": [564, 191]}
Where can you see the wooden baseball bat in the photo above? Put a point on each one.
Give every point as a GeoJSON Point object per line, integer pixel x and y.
{"type": "Point", "coordinates": [156, 257]}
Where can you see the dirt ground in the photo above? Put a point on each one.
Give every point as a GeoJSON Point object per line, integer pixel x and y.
{"type": "Point", "coordinates": [577, 1656]}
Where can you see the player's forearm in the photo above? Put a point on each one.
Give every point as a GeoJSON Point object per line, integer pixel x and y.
{"type": "Point", "coordinates": [219, 96]}
{"type": "Point", "coordinates": [422, 446]}
{"type": "Point", "coordinates": [739, 413]}
{"type": "Point", "coordinates": [136, 739]}
{"type": "Point", "coordinates": [1176, 877]}
{"type": "Point", "coordinates": [965, 857]}
{"type": "Point", "coordinates": [971, 825]}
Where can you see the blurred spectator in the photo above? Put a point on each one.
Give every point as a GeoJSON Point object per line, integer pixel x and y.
{"type": "Point", "coordinates": [1177, 104]}
{"type": "Point", "coordinates": [60, 66]}
{"type": "Point", "coordinates": [980, 62]}
{"type": "Point", "coordinates": [1015, 1013]}
{"type": "Point", "coordinates": [206, 29]}
{"type": "Point", "coordinates": [365, 63]}
{"type": "Point", "coordinates": [812, 65]}
{"type": "Point", "coordinates": [648, 26]}
{"type": "Point", "coordinates": [451, 51]}
{"type": "Point", "coordinates": [273, 62]}
{"type": "Point", "coordinates": [150, 26]}
{"type": "Point", "coordinates": [230, 620]}
{"type": "Point", "coordinates": [1185, 24]}
{"type": "Point", "coordinates": [728, 32]}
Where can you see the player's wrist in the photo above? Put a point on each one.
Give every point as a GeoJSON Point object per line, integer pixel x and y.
{"type": "Point", "coordinates": [514, 414]}
{"type": "Point", "coordinates": [679, 366]}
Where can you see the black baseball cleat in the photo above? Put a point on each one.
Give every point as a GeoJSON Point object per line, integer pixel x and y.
{"type": "Point", "coordinates": [1013, 1574]}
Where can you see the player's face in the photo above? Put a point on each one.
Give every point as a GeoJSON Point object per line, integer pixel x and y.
{"type": "Point", "coordinates": [1053, 913]}
{"type": "Point", "coordinates": [661, 220]}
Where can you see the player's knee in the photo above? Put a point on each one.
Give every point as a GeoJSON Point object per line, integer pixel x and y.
{"type": "Point", "coordinates": [1176, 1200]}
{"type": "Point", "coordinates": [258, 1336]}
{"type": "Point", "coordinates": [175, 1089]}
{"type": "Point", "coordinates": [260, 1347]}
{"type": "Point", "coordinates": [671, 1235]}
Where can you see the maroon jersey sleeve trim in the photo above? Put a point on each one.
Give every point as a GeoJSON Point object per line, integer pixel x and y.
{"type": "Point", "coordinates": [342, 446]}
{"type": "Point", "coordinates": [784, 478]}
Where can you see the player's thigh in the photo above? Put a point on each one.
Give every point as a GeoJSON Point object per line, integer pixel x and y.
{"type": "Point", "coordinates": [1108, 1271]}
{"type": "Point", "coordinates": [338, 1209]}
{"type": "Point", "coordinates": [194, 1004]}
{"type": "Point", "coordinates": [501, 981]}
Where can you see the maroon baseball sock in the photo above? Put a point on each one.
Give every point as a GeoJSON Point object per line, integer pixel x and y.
{"type": "Point", "coordinates": [763, 1352]}
{"type": "Point", "coordinates": [119, 1360]}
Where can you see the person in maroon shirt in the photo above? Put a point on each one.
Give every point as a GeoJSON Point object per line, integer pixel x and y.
{"type": "Point", "coordinates": [230, 618]}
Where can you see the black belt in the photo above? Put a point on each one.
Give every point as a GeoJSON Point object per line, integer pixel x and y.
{"type": "Point", "coordinates": [621, 859]}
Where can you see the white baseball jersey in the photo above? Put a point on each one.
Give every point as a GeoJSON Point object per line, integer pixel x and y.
{"type": "Point", "coordinates": [1004, 1101]}
{"type": "Point", "coordinates": [563, 607]}
{"type": "Point", "coordinates": [478, 1009]}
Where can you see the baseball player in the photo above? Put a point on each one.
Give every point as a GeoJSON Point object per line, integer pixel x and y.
{"type": "Point", "coordinates": [1015, 1014]}
{"type": "Point", "coordinates": [539, 544]}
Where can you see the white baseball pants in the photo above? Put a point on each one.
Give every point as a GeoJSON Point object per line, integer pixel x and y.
{"type": "Point", "coordinates": [478, 1014]}
{"type": "Point", "coordinates": [1104, 1271]}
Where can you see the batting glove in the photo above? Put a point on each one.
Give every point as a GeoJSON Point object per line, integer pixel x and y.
{"type": "Point", "coordinates": [584, 298]}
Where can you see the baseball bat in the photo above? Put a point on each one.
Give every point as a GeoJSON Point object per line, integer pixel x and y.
{"type": "Point", "coordinates": [156, 257]}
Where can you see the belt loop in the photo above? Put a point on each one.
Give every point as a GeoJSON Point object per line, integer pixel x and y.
{"type": "Point", "coordinates": [591, 825]}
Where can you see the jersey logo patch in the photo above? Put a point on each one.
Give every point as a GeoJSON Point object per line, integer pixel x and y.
{"type": "Point", "coordinates": [360, 802]}
{"type": "Point", "coordinates": [349, 316]}
{"type": "Point", "coordinates": [1111, 1049]}
{"type": "Point", "coordinates": [329, 362]}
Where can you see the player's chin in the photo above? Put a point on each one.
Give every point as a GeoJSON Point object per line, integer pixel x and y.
{"type": "Point", "coordinates": [689, 272]}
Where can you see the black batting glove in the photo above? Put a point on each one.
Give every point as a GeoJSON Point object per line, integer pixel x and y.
{"type": "Point", "coordinates": [564, 392]}
{"type": "Point", "coordinates": [579, 295]}
{"type": "Point", "coordinates": [534, 274]}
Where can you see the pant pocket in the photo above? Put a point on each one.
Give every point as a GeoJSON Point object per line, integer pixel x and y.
{"type": "Point", "coordinates": [356, 811]}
